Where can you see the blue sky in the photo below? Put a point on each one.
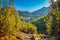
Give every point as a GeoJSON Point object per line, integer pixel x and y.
{"type": "Point", "coordinates": [30, 5]}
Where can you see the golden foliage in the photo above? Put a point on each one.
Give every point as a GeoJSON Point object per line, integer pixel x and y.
{"type": "Point", "coordinates": [7, 37]}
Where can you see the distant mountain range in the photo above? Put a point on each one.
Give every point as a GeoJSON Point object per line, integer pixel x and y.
{"type": "Point", "coordinates": [40, 12]}
{"type": "Point", "coordinates": [31, 15]}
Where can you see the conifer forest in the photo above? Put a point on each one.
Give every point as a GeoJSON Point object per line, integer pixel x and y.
{"type": "Point", "coordinates": [15, 27]}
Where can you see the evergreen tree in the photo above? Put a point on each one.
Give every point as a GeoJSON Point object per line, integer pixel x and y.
{"type": "Point", "coordinates": [11, 3]}
{"type": "Point", "coordinates": [0, 5]}
{"type": "Point", "coordinates": [6, 3]}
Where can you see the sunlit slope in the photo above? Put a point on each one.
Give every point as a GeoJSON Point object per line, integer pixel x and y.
{"type": "Point", "coordinates": [48, 22]}
{"type": "Point", "coordinates": [10, 23]}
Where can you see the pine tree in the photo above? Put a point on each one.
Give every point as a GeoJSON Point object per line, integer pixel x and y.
{"type": "Point", "coordinates": [0, 5]}
{"type": "Point", "coordinates": [6, 3]}
{"type": "Point", "coordinates": [11, 3]}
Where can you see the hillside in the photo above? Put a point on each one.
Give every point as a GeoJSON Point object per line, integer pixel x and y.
{"type": "Point", "coordinates": [23, 25]}
{"type": "Point", "coordinates": [32, 15]}
{"type": "Point", "coordinates": [41, 12]}
{"type": "Point", "coordinates": [48, 24]}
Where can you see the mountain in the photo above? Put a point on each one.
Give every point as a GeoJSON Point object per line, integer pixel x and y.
{"type": "Point", "coordinates": [31, 15]}
{"type": "Point", "coordinates": [40, 12]}
{"type": "Point", "coordinates": [25, 15]}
